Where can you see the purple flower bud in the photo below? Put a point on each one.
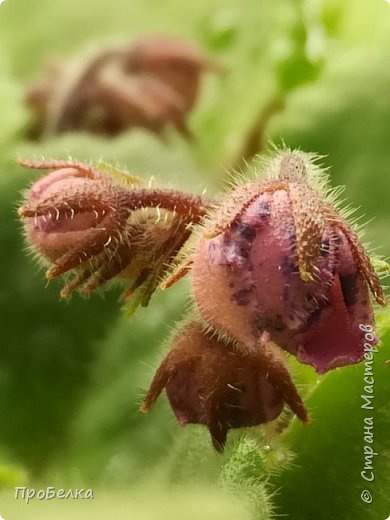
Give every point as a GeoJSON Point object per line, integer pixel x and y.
{"type": "Point", "coordinates": [278, 258]}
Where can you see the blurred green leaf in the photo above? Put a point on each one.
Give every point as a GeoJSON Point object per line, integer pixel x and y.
{"type": "Point", "coordinates": [11, 476]}
{"type": "Point", "coordinates": [345, 116]}
{"type": "Point", "coordinates": [46, 346]}
{"type": "Point", "coordinates": [112, 440]}
{"type": "Point", "coordinates": [13, 115]}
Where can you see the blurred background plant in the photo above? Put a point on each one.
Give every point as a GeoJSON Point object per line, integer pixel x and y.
{"type": "Point", "coordinates": [314, 74]}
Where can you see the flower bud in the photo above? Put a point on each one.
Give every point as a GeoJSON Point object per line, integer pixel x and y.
{"type": "Point", "coordinates": [152, 83]}
{"type": "Point", "coordinates": [175, 63]}
{"type": "Point", "coordinates": [278, 258]}
{"type": "Point", "coordinates": [212, 382]}
{"type": "Point", "coordinates": [106, 226]}
{"type": "Point", "coordinates": [55, 233]}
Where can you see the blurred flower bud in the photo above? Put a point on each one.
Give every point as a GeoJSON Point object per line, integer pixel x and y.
{"type": "Point", "coordinates": [152, 83]}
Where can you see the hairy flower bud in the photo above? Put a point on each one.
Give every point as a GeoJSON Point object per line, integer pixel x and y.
{"type": "Point", "coordinates": [55, 233]}
{"type": "Point", "coordinates": [277, 257]}
{"type": "Point", "coordinates": [106, 224]}
{"type": "Point", "coordinates": [275, 267]}
{"type": "Point", "coordinates": [212, 382]}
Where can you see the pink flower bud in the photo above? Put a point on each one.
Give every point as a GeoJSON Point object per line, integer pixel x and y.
{"type": "Point", "coordinates": [105, 225]}
{"type": "Point", "coordinates": [282, 260]}
{"type": "Point", "coordinates": [55, 233]}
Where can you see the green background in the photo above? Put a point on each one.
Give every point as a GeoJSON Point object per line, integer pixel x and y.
{"type": "Point", "coordinates": [73, 374]}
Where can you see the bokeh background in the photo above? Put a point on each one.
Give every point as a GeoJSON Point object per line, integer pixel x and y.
{"type": "Point", "coordinates": [72, 374]}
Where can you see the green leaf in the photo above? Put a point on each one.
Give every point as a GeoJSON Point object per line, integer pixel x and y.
{"type": "Point", "coordinates": [325, 480]}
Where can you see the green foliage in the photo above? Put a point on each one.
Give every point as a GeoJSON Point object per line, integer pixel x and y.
{"type": "Point", "coordinates": [38, 336]}
{"type": "Point", "coordinates": [112, 440]}
{"type": "Point", "coordinates": [338, 114]}
{"type": "Point", "coordinates": [12, 113]}
{"type": "Point", "coordinates": [11, 476]}
{"type": "Point", "coordinates": [330, 452]}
